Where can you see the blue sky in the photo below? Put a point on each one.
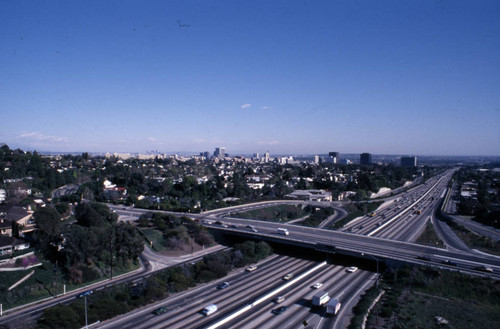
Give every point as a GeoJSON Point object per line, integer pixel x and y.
{"type": "Point", "coordinates": [392, 77]}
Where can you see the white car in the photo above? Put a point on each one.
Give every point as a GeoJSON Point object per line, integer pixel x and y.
{"type": "Point", "coordinates": [352, 269]}
{"type": "Point", "coordinates": [279, 299]}
{"type": "Point", "coordinates": [288, 276]}
{"type": "Point", "coordinates": [251, 268]}
{"type": "Point", "coordinates": [317, 285]}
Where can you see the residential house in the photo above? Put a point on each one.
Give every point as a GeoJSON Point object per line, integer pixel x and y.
{"type": "Point", "coordinates": [9, 244]}
{"type": "Point", "coordinates": [22, 217]}
{"type": "Point", "coordinates": [5, 227]}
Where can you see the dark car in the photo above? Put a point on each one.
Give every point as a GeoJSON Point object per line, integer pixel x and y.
{"type": "Point", "coordinates": [449, 262]}
{"type": "Point", "coordinates": [424, 257]}
{"type": "Point", "coordinates": [85, 293]}
{"type": "Point", "coordinates": [223, 285]}
{"type": "Point", "coordinates": [280, 310]}
{"type": "Point", "coordinates": [160, 310]}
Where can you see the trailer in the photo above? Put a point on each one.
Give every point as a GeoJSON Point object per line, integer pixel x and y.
{"type": "Point", "coordinates": [320, 299]}
{"type": "Point", "coordinates": [333, 306]}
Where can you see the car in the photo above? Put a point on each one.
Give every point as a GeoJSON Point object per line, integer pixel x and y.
{"type": "Point", "coordinates": [279, 299]}
{"type": "Point", "coordinates": [485, 269]}
{"type": "Point", "coordinates": [223, 285]}
{"type": "Point", "coordinates": [352, 269]}
{"type": "Point", "coordinates": [249, 226]}
{"type": "Point", "coordinates": [288, 276]}
{"type": "Point", "coordinates": [218, 222]}
{"type": "Point", "coordinates": [209, 222]}
{"type": "Point", "coordinates": [317, 285]}
{"type": "Point", "coordinates": [251, 268]}
{"type": "Point", "coordinates": [160, 310]}
{"type": "Point", "coordinates": [424, 257]}
{"type": "Point", "coordinates": [449, 262]}
{"type": "Point", "coordinates": [280, 310]}
{"type": "Point", "coordinates": [224, 225]}
{"type": "Point", "coordinates": [235, 225]}
{"type": "Point", "coordinates": [85, 293]}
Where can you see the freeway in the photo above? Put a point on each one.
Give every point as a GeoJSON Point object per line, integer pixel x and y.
{"type": "Point", "coordinates": [382, 236]}
{"type": "Point", "coordinates": [252, 295]}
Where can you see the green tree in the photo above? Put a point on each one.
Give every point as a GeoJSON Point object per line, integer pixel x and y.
{"type": "Point", "coordinates": [59, 317]}
{"type": "Point", "coordinates": [48, 235]}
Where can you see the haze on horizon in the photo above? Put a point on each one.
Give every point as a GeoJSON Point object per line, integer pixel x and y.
{"type": "Point", "coordinates": [291, 77]}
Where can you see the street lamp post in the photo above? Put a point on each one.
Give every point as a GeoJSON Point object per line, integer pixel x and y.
{"type": "Point", "coordinates": [84, 295]}
{"type": "Point", "coordinates": [86, 322]}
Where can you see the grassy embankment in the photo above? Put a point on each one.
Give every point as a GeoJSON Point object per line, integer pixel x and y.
{"type": "Point", "coordinates": [429, 237]}
{"type": "Point", "coordinates": [47, 281]}
{"type": "Point", "coordinates": [281, 213]}
{"type": "Point", "coordinates": [356, 210]}
{"type": "Point", "coordinates": [415, 296]}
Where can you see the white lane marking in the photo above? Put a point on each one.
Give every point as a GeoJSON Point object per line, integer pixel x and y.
{"type": "Point", "coordinates": [269, 295]}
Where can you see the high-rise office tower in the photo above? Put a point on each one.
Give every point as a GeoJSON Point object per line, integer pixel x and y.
{"type": "Point", "coordinates": [334, 156]}
{"type": "Point", "coordinates": [408, 161]}
{"type": "Point", "coordinates": [220, 152]}
{"type": "Point", "coordinates": [365, 159]}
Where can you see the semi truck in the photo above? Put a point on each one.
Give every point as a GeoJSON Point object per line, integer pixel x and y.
{"type": "Point", "coordinates": [210, 309]}
{"type": "Point", "coordinates": [320, 298]}
{"type": "Point", "coordinates": [333, 306]}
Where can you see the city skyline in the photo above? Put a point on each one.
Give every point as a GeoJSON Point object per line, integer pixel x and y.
{"type": "Point", "coordinates": [288, 77]}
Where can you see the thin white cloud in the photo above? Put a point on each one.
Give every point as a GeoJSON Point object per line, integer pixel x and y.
{"type": "Point", "coordinates": [267, 142]}
{"type": "Point", "coordinates": [246, 106]}
{"type": "Point", "coordinates": [152, 139]}
{"type": "Point", "coordinates": [36, 136]}
{"type": "Point", "coordinates": [265, 107]}
{"type": "Point", "coordinates": [199, 140]}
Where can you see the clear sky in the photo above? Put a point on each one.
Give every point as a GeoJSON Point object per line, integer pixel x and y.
{"type": "Point", "coordinates": [393, 77]}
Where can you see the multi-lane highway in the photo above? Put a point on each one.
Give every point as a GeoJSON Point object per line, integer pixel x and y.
{"type": "Point", "coordinates": [382, 236]}
{"type": "Point", "coordinates": [249, 299]}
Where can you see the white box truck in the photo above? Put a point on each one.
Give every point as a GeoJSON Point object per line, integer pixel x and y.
{"type": "Point", "coordinates": [283, 231]}
{"type": "Point", "coordinates": [320, 299]}
{"type": "Point", "coordinates": [210, 309]}
{"type": "Point", "coordinates": [333, 306]}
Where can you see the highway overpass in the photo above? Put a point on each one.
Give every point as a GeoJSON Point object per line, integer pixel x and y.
{"type": "Point", "coordinates": [390, 252]}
